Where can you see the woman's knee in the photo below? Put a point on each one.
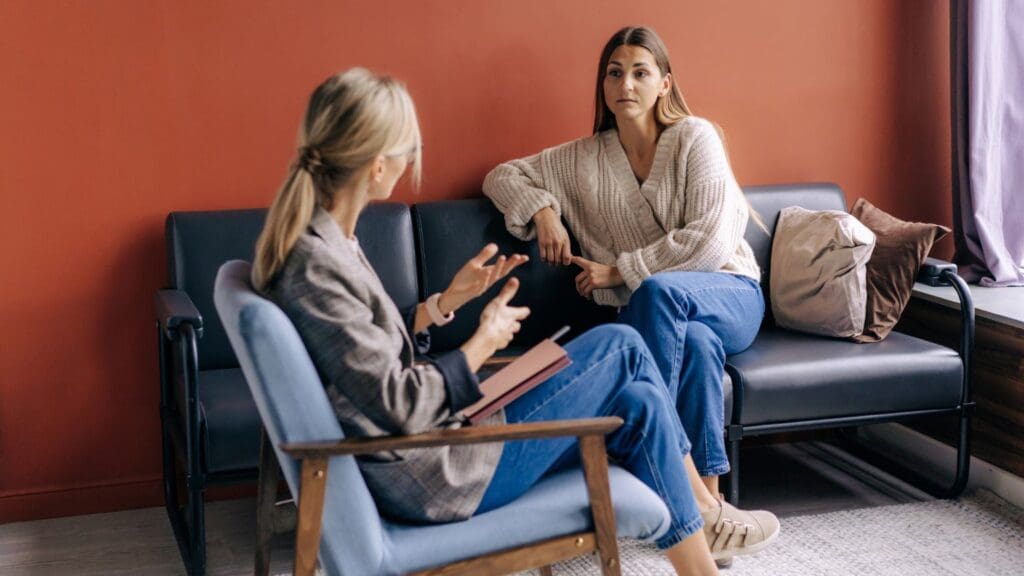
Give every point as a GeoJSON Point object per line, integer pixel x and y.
{"type": "Point", "coordinates": [643, 405]}
{"type": "Point", "coordinates": [621, 351]}
{"type": "Point", "coordinates": [703, 343]}
{"type": "Point", "coordinates": [615, 334]}
{"type": "Point", "coordinates": [655, 289]}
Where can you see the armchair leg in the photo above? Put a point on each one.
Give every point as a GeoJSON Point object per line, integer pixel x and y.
{"type": "Point", "coordinates": [265, 500]}
{"type": "Point", "coordinates": [595, 471]}
{"type": "Point", "coordinates": [546, 571]}
{"type": "Point", "coordinates": [311, 506]}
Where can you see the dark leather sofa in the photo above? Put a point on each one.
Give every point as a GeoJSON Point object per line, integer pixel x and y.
{"type": "Point", "coordinates": [784, 382]}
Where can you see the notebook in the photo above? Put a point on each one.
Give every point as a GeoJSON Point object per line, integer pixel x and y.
{"type": "Point", "coordinates": [518, 377]}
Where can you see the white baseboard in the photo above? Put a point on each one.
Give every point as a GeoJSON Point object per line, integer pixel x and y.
{"type": "Point", "coordinates": [932, 456]}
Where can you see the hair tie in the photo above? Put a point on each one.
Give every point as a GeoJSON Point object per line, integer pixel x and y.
{"type": "Point", "coordinates": [310, 160]}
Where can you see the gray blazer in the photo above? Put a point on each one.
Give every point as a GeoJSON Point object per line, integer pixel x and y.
{"type": "Point", "coordinates": [361, 347]}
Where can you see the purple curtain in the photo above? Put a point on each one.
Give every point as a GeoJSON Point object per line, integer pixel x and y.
{"type": "Point", "coordinates": [987, 58]}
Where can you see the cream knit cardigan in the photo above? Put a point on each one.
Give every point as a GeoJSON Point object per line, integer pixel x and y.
{"type": "Point", "coordinates": [690, 214]}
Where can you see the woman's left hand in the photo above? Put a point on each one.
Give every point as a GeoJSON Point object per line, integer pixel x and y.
{"type": "Point", "coordinates": [595, 275]}
{"type": "Point", "coordinates": [476, 276]}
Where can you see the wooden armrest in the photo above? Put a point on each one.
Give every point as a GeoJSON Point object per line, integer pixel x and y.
{"type": "Point", "coordinates": [468, 435]}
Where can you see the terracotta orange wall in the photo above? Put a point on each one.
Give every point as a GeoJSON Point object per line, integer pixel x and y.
{"type": "Point", "coordinates": [114, 113]}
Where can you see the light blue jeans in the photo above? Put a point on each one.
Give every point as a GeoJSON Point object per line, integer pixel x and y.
{"type": "Point", "coordinates": [612, 374]}
{"type": "Point", "coordinates": [691, 321]}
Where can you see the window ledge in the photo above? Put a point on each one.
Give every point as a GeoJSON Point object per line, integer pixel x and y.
{"type": "Point", "coordinates": [1004, 305]}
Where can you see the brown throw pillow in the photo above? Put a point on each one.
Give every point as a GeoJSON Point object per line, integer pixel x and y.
{"type": "Point", "coordinates": [900, 249]}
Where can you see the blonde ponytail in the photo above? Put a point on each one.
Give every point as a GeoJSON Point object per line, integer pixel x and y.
{"type": "Point", "coordinates": [352, 118]}
{"type": "Point", "coordinates": [287, 218]}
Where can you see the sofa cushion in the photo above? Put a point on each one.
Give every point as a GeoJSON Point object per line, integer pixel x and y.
{"type": "Point", "coordinates": [451, 232]}
{"type": "Point", "coordinates": [786, 376]}
{"type": "Point", "coordinates": [727, 395]}
{"type": "Point", "coordinates": [199, 242]}
{"type": "Point", "coordinates": [228, 420]}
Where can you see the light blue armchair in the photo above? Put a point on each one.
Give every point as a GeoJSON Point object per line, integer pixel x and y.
{"type": "Point", "coordinates": [337, 518]}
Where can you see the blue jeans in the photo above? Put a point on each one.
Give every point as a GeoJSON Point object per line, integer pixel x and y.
{"type": "Point", "coordinates": [691, 321]}
{"type": "Point", "coordinates": [612, 374]}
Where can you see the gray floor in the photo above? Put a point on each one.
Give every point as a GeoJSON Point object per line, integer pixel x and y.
{"type": "Point", "coordinates": [790, 479]}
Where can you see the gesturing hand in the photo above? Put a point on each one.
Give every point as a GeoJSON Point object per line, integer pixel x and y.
{"type": "Point", "coordinates": [476, 276]}
{"type": "Point", "coordinates": [499, 322]}
{"type": "Point", "coordinates": [595, 275]}
{"type": "Point", "coordinates": [552, 237]}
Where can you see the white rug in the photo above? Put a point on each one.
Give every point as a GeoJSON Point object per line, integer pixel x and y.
{"type": "Point", "coordinates": [979, 535]}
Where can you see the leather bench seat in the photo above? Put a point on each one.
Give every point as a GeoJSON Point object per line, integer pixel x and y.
{"type": "Point", "coordinates": [229, 426]}
{"type": "Point", "coordinates": [787, 376]}
{"type": "Point", "coordinates": [727, 395]}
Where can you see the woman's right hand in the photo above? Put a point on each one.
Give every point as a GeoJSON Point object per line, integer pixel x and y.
{"type": "Point", "coordinates": [499, 323]}
{"type": "Point", "coordinates": [552, 237]}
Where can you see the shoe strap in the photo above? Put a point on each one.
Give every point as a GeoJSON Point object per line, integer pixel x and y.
{"type": "Point", "coordinates": [730, 534]}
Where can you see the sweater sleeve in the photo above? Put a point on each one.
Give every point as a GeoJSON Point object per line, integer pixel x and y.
{"type": "Point", "coordinates": [518, 189]}
{"type": "Point", "coordinates": [714, 218]}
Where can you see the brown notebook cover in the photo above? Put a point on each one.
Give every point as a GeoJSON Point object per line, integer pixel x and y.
{"type": "Point", "coordinates": [517, 378]}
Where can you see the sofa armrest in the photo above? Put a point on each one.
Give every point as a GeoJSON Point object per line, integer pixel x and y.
{"type": "Point", "coordinates": [174, 308]}
{"type": "Point", "coordinates": [933, 272]}
{"type": "Point", "coordinates": [468, 435]}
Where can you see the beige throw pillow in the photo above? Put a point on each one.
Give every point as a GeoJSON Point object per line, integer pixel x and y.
{"type": "Point", "coordinates": [818, 272]}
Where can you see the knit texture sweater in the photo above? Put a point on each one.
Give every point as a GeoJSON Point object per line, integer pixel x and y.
{"type": "Point", "coordinates": [690, 214]}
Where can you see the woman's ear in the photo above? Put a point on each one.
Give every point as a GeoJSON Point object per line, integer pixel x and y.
{"type": "Point", "coordinates": [377, 169]}
{"type": "Point", "coordinates": [666, 84]}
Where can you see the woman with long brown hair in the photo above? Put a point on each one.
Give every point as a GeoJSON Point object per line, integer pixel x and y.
{"type": "Point", "coordinates": [659, 218]}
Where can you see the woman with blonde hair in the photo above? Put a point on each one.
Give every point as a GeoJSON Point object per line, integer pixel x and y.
{"type": "Point", "coordinates": [659, 218]}
{"type": "Point", "coordinates": [360, 134]}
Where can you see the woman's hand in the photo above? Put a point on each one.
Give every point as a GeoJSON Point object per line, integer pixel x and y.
{"type": "Point", "coordinates": [552, 237]}
{"type": "Point", "coordinates": [476, 276]}
{"type": "Point", "coordinates": [499, 323]}
{"type": "Point", "coordinates": [595, 275]}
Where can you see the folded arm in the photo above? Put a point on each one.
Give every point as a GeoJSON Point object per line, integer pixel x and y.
{"type": "Point", "coordinates": [519, 191]}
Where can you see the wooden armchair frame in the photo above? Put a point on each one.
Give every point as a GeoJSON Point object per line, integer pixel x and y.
{"type": "Point", "coordinates": [314, 458]}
